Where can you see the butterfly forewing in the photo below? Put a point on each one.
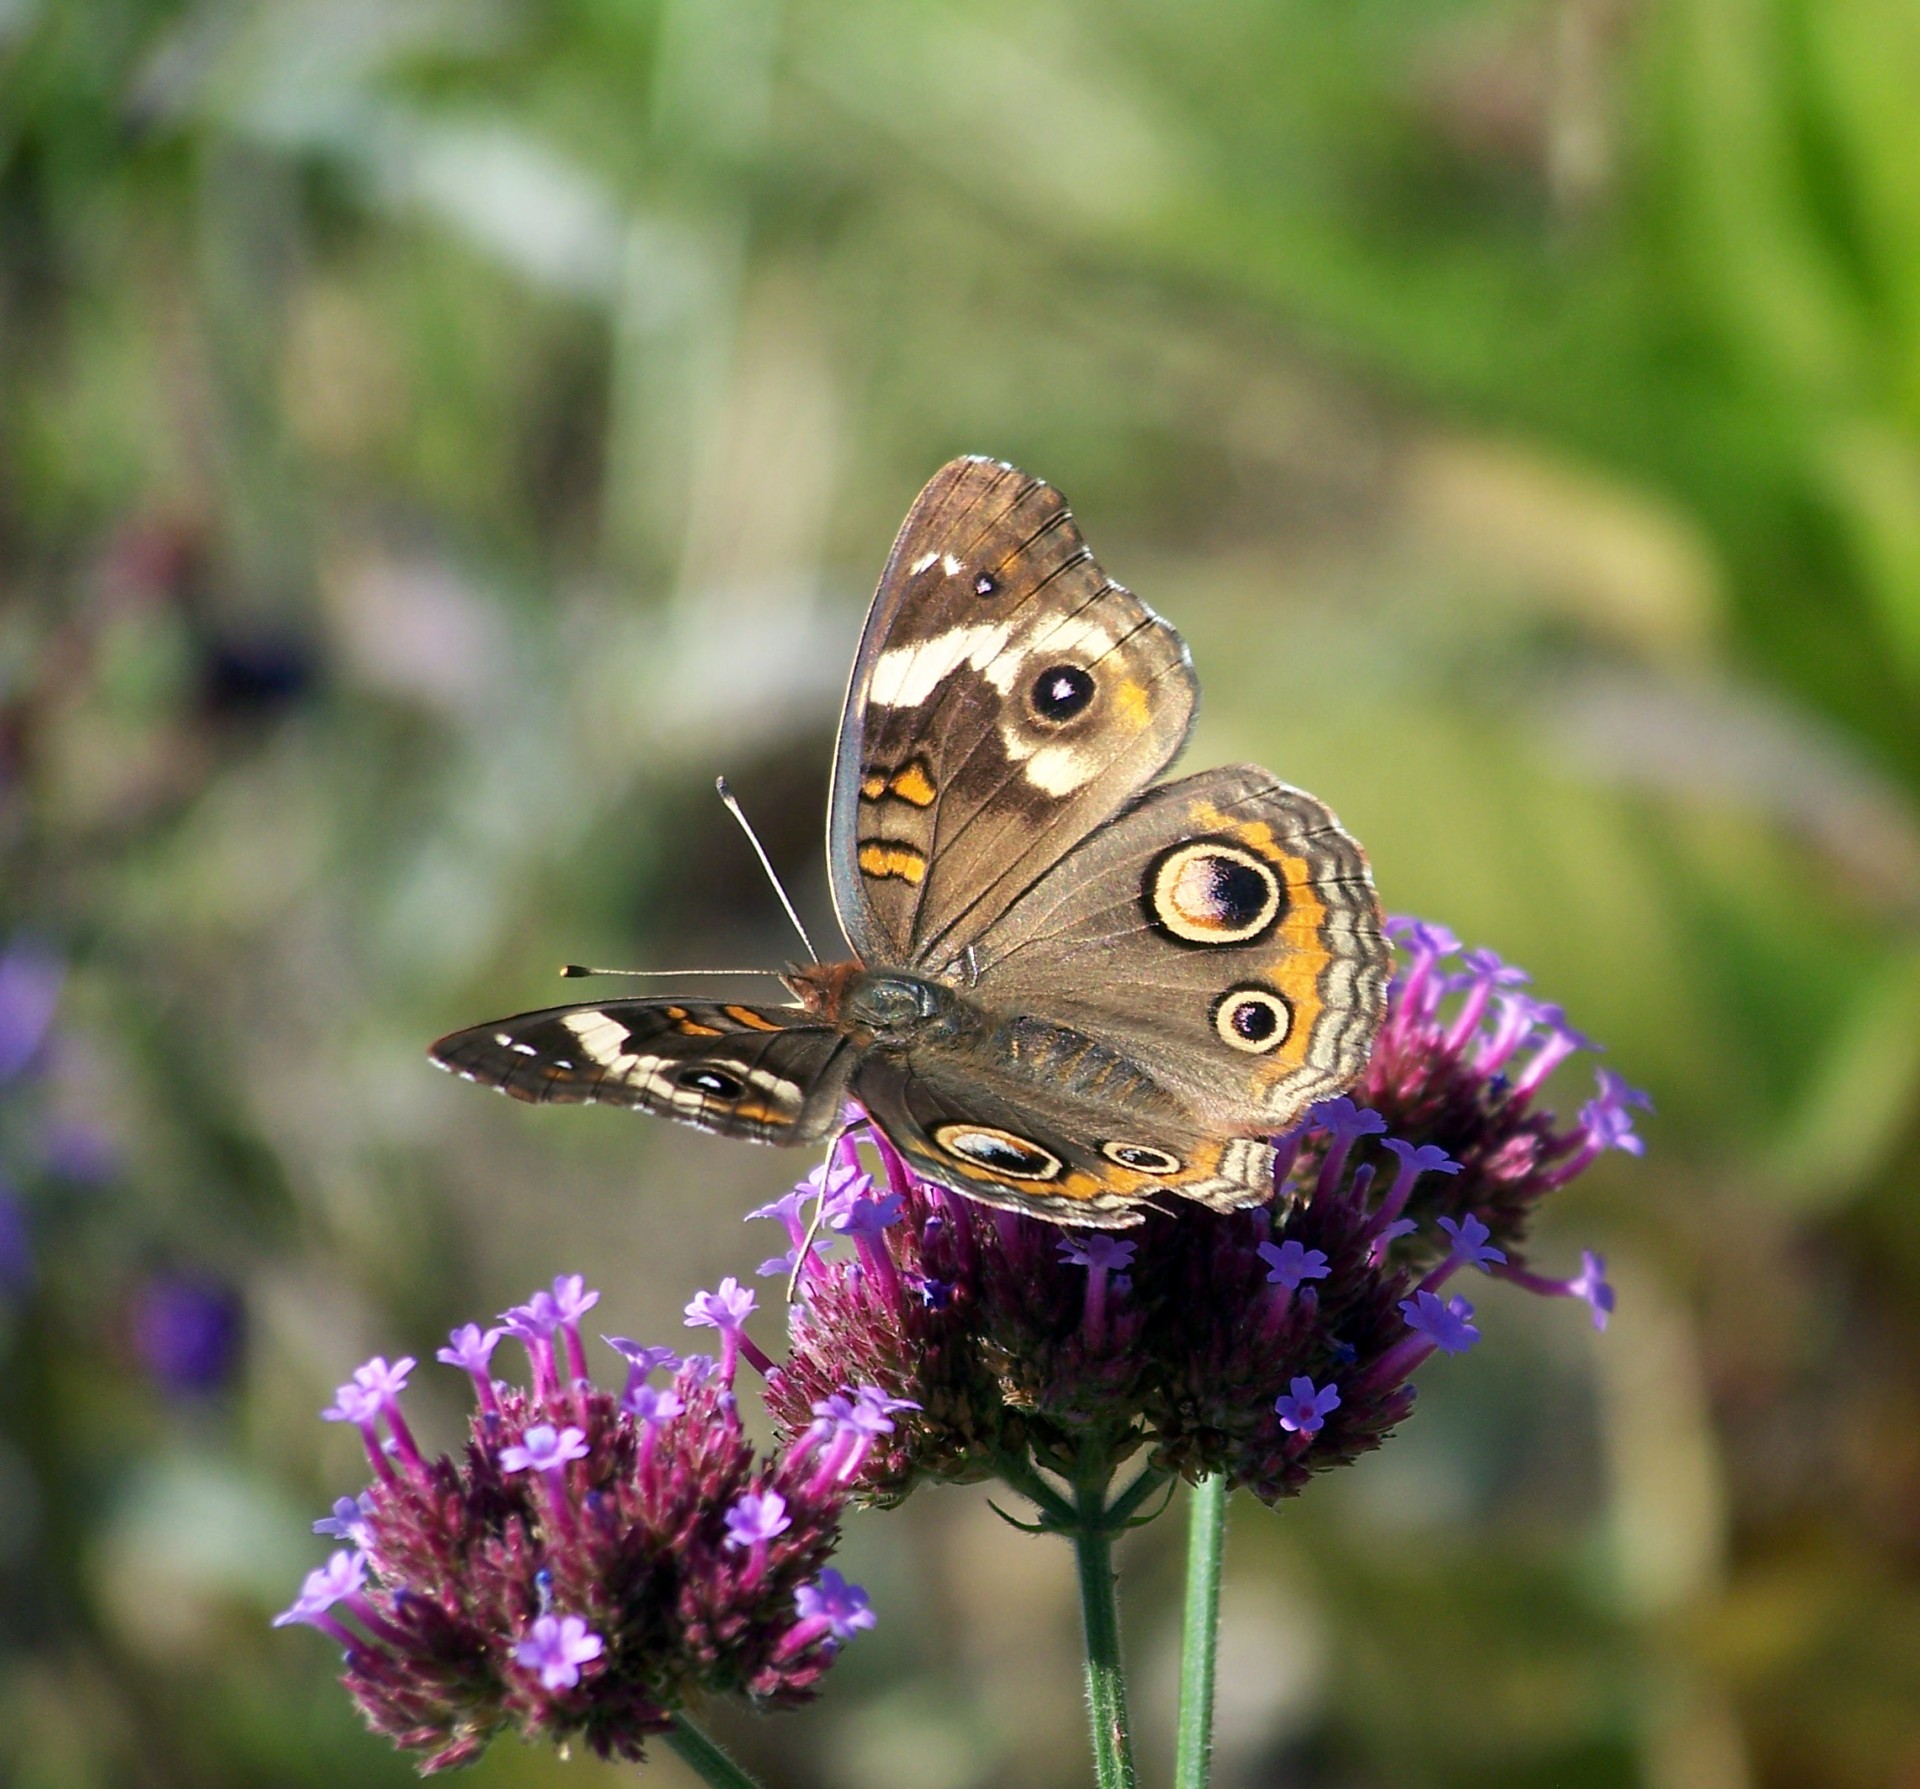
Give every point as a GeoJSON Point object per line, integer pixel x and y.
{"type": "Point", "coordinates": [1007, 698]}
{"type": "Point", "coordinates": [771, 1074]}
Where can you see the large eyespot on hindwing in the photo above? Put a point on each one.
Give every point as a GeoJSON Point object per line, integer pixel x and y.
{"type": "Point", "coordinates": [1018, 1158]}
{"type": "Point", "coordinates": [1253, 1018]}
{"type": "Point", "coordinates": [1142, 1157]}
{"type": "Point", "coordinates": [1212, 891]}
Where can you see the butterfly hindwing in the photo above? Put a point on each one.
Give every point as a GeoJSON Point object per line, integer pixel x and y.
{"type": "Point", "coordinates": [1007, 698]}
{"type": "Point", "coordinates": [1012, 1137]}
{"type": "Point", "coordinates": [771, 1074]}
{"type": "Point", "coordinates": [1223, 933]}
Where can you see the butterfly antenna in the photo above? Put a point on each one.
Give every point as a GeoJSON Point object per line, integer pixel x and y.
{"type": "Point", "coordinates": [573, 970]}
{"type": "Point", "coordinates": [766, 863]}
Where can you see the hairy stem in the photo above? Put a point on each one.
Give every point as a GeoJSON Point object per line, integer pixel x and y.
{"type": "Point", "coordinates": [1100, 1612]}
{"type": "Point", "coordinates": [1200, 1632]}
{"type": "Point", "coordinates": [704, 1758]}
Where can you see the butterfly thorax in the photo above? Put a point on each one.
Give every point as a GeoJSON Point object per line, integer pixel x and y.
{"type": "Point", "coordinates": [896, 1010]}
{"type": "Point", "coordinates": [887, 1008]}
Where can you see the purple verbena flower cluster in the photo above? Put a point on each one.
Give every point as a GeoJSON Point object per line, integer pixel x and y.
{"type": "Point", "coordinates": [1267, 1344]}
{"type": "Point", "coordinates": [593, 1558]}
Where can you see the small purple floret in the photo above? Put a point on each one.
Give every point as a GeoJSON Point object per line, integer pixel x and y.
{"type": "Point", "coordinates": [469, 1348]}
{"type": "Point", "coordinates": [556, 1647]}
{"type": "Point", "coordinates": [384, 1379]}
{"type": "Point", "coordinates": [1290, 1263]}
{"type": "Point", "coordinates": [571, 1298]}
{"type": "Point", "coordinates": [725, 1309]}
{"type": "Point", "coordinates": [1303, 1408]}
{"type": "Point", "coordinates": [1345, 1121]}
{"type": "Point", "coordinates": [1099, 1251]}
{"type": "Point", "coordinates": [1448, 1323]}
{"type": "Point", "coordinates": [842, 1606]}
{"type": "Point", "coordinates": [868, 1216]}
{"type": "Point", "coordinates": [755, 1517]}
{"type": "Point", "coordinates": [342, 1576]}
{"type": "Point", "coordinates": [1470, 1246]}
{"type": "Point", "coordinates": [544, 1449]}
{"type": "Point", "coordinates": [1591, 1285]}
{"type": "Point", "coordinates": [348, 1521]}
{"type": "Point", "coordinates": [353, 1404]}
{"type": "Point", "coordinates": [651, 1404]}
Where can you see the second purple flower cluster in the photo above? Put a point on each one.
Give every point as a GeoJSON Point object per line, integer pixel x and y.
{"type": "Point", "coordinates": [594, 1558]}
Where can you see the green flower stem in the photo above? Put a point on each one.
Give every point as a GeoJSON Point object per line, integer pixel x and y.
{"type": "Point", "coordinates": [1100, 1611]}
{"type": "Point", "coordinates": [1200, 1633]}
{"type": "Point", "coordinates": [707, 1761]}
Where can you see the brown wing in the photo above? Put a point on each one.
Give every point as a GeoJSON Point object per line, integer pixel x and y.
{"type": "Point", "coordinates": [1223, 935]}
{"type": "Point", "coordinates": [1019, 1134]}
{"type": "Point", "coordinates": [1007, 697]}
{"type": "Point", "coordinates": [771, 1074]}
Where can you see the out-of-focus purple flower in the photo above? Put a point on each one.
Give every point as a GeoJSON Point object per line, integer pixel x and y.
{"type": "Point", "coordinates": [80, 1152]}
{"type": "Point", "coordinates": [186, 1331]}
{"type": "Point", "coordinates": [31, 977]}
{"type": "Point", "coordinates": [556, 1648]}
{"type": "Point", "coordinates": [16, 1244]}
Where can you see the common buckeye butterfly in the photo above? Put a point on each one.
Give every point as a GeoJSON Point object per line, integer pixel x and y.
{"type": "Point", "coordinates": [1073, 988]}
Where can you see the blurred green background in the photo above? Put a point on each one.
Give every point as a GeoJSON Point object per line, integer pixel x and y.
{"type": "Point", "coordinates": [437, 436]}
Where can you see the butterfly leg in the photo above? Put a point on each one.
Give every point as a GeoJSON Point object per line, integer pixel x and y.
{"type": "Point", "coordinates": [820, 1204]}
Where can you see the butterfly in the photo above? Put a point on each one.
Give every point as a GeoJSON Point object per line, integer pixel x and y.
{"type": "Point", "coordinates": [1073, 988]}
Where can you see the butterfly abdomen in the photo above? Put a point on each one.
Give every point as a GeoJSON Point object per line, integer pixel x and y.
{"type": "Point", "coordinates": [1081, 1067]}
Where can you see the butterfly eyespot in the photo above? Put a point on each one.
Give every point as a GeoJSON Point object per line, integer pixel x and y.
{"type": "Point", "coordinates": [1212, 892]}
{"type": "Point", "coordinates": [985, 585]}
{"type": "Point", "coordinates": [1142, 1156]}
{"type": "Point", "coordinates": [1016, 1158]}
{"type": "Point", "coordinates": [1253, 1019]}
{"type": "Point", "coordinates": [713, 1081]}
{"type": "Point", "coordinates": [1060, 692]}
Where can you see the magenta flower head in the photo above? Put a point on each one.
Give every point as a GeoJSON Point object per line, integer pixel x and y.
{"type": "Point", "coordinates": [1264, 1345]}
{"type": "Point", "coordinates": [592, 1559]}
